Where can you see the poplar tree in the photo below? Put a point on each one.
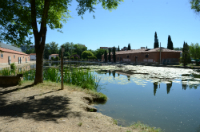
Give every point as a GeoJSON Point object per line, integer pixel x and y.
{"type": "Point", "coordinates": [156, 43]}
{"type": "Point", "coordinates": [170, 43]}
{"type": "Point", "coordinates": [185, 54]}
{"type": "Point", "coordinates": [114, 55]}
{"type": "Point", "coordinates": [129, 46]}
{"type": "Point", "coordinates": [118, 48]}
{"type": "Point", "coordinates": [109, 56]}
{"type": "Point", "coordinates": [105, 55]}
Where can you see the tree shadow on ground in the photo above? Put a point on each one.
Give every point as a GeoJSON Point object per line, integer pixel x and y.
{"type": "Point", "coordinates": [49, 108]}
{"type": "Point", "coordinates": [13, 89]}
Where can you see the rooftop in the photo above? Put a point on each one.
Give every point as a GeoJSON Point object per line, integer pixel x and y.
{"type": "Point", "coordinates": [12, 51]}
{"type": "Point", "coordinates": [6, 46]}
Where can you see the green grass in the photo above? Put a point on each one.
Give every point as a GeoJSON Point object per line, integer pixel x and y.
{"type": "Point", "coordinates": [80, 124]}
{"type": "Point", "coordinates": [115, 122]}
{"type": "Point", "coordinates": [145, 128]}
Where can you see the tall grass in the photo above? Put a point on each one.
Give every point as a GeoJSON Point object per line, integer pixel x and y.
{"type": "Point", "coordinates": [75, 76]}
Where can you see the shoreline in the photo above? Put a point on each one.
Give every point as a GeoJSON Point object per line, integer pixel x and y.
{"type": "Point", "coordinates": [44, 107]}
{"type": "Point", "coordinates": [18, 65]}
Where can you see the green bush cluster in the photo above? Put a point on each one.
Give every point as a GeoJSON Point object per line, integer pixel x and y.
{"type": "Point", "coordinates": [92, 57]}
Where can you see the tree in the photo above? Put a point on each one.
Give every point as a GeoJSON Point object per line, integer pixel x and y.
{"type": "Point", "coordinates": [105, 55]}
{"type": "Point", "coordinates": [109, 56]}
{"type": "Point", "coordinates": [118, 48]}
{"type": "Point", "coordinates": [129, 46]}
{"type": "Point", "coordinates": [85, 54]}
{"type": "Point", "coordinates": [185, 54]}
{"type": "Point", "coordinates": [195, 51]}
{"type": "Point", "coordinates": [19, 17]}
{"type": "Point", "coordinates": [30, 51]}
{"type": "Point", "coordinates": [156, 43]}
{"type": "Point", "coordinates": [170, 43]}
{"type": "Point", "coordinates": [79, 48]}
{"type": "Point", "coordinates": [195, 4]}
{"type": "Point", "coordinates": [114, 55]}
{"type": "Point", "coordinates": [99, 53]}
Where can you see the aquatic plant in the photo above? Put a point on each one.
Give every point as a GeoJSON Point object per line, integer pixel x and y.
{"type": "Point", "coordinates": [145, 127]}
{"type": "Point", "coordinates": [5, 72]}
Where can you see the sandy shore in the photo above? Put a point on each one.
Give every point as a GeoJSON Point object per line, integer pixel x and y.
{"type": "Point", "coordinates": [45, 108]}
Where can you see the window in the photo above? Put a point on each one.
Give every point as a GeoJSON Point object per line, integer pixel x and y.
{"type": "Point", "coordinates": [127, 56]}
{"type": "Point", "coordinates": [14, 56]}
{"type": "Point", "coordinates": [1, 55]}
{"type": "Point", "coordinates": [23, 56]}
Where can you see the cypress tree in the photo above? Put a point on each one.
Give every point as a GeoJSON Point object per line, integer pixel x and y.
{"type": "Point", "coordinates": [109, 57]}
{"type": "Point", "coordinates": [156, 43]}
{"type": "Point", "coordinates": [105, 55]}
{"type": "Point", "coordinates": [129, 46]}
{"type": "Point", "coordinates": [185, 54]}
{"type": "Point", "coordinates": [170, 43]}
{"type": "Point", "coordinates": [118, 48]}
{"type": "Point", "coordinates": [114, 55]}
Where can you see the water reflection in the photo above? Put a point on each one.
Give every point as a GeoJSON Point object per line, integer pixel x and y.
{"type": "Point", "coordinates": [128, 78]}
{"type": "Point", "coordinates": [169, 85]}
{"type": "Point", "coordinates": [155, 87]}
{"type": "Point", "coordinates": [113, 73]}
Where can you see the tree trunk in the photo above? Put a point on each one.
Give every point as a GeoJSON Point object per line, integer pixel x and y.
{"type": "Point", "coordinates": [39, 66]}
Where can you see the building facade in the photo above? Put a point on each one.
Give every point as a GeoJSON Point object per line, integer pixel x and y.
{"type": "Point", "coordinates": [32, 56]}
{"type": "Point", "coordinates": [10, 54]}
{"type": "Point", "coordinates": [142, 56]}
{"type": "Point", "coordinates": [53, 55]}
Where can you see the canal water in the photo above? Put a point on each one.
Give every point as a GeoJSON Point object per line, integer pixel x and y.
{"type": "Point", "coordinates": [172, 106]}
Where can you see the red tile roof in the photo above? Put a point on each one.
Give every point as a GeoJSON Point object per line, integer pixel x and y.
{"type": "Point", "coordinates": [32, 54]}
{"type": "Point", "coordinates": [12, 51]}
{"type": "Point", "coordinates": [53, 54]}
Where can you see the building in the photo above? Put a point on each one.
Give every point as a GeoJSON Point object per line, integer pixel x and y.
{"type": "Point", "coordinates": [53, 55]}
{"type": "Point", "coordinates": [142, 56]}
{"type": "Point", "coordinates": [106, 48]}
{"type": "Point", "coordinates": [24, 48]}
{"type": "Point", "coordinates": [124, 49]}
{"type": "Point", "coordinates": [32, 56]}
{"type": "Point", "coordinates": [10, 54]}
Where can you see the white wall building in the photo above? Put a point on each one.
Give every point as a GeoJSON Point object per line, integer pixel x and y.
{"type": "Point", "coordinates": [32, 56]}
{"type": "Point", "coordinates": [53, 55]}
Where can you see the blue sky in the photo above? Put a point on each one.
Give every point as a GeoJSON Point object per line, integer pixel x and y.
{"type": "Point", "coordinates": [134, 22]}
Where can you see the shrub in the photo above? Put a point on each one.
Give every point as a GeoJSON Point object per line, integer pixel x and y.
{"type": "Point", "coordinates": [13, 66]}
{"type": "Point", "coordinates": [85, 54]}
{"type": "Point", "coordinates": [52, 58]}
{"type": "Point", "coordinates": [57, 58]}
{"type": "Point", "coordinates": [92, 57]}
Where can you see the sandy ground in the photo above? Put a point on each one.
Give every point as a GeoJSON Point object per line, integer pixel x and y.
{"type": "Point", "coordinates": [45, 108]}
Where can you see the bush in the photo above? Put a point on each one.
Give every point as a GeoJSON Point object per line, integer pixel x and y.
{"type": "Point", "coordinates": [13, 66]}
{"type": "Point", "coordinates": [85, 54]}
{"type": "Point", "coordinates": [57, 58]}
{"type": "Point", "coordinates": [52, 58]}
{"type": "Point", "coordinates": [92, 57]}
{"type": "Point", "coordinates": [72, 58]}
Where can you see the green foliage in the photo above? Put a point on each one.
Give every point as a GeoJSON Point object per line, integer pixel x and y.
{"type": "Point", "coordinates": [5, 72]}
{"type": "Point", "coordinates": [72, 57]}
{"type": "Point", "coordinates": [118, 49]}
{"type": "Point", "coordinates": [170, 43]}
{"type": "Point", "coordinates": [129, 46]}
{"type": "Point", "coordinates": [51, 48]}
{"type": "Point", "coordinates": [99, 53]}
{"type": "Point", "coordinates": [156, 43]}
{"type": "Point", "coordinates": [32, 50]}
{"type": "Point", "coordinates": [109, 55]}
{"type": "Point", "coordinates": [145, 128]}
{"type": "Point", "coordinates": [114, 55]}
{"type": "Point", "coordinates": [185, 54]}
{"type": "Point", "coordinates": [80, 124]}
{"type": "Point", "coordinates": [195, 4]}
{"type": "Point", "coordinates": [195, 51]}
{"type": "Point", "coordinates": [57, 58]}
{"type": "Point", "coordinates": [92, 57]}
{"type": "Point", "coordinates": [13, 66]}
{"type": "Point", "coordinates": [105, 55]}
{"type": "Point", "coordinates": [115, 122]}
{"type": "Point", "coordinates": [85, 54]}
{"type": "Point", "coordinates": [51, 74]}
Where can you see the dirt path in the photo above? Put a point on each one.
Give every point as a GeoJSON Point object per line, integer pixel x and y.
{"type": "Point", "coordinates": [45, 108]}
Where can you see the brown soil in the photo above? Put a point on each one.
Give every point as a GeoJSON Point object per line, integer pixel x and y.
{"type": "Point", "coordinates": [45, 108]}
